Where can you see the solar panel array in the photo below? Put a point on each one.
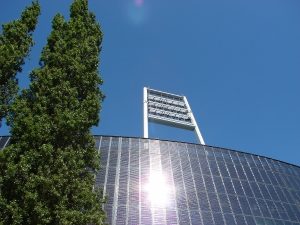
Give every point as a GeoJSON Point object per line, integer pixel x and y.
{"type": "Point", "coordinates": [162, 182]}
{"type": "Point", "coordinates": [194, 184]}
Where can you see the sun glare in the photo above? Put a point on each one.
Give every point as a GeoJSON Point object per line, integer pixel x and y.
{"type": "Point", "coordinates": [158, 190]}
{"type": "Point", "coordinates": [137, 12]}
{"type": "Point", "coordinates": [138, 2]}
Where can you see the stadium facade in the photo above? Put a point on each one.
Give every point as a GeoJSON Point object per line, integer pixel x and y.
{"type": "Point", "coordinates": [150, 181]}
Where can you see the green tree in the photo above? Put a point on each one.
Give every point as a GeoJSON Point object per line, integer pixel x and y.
{"type": "Point", "coordinates": [47, 174]}
{"type": "Point", "coordinates": [15, 43]}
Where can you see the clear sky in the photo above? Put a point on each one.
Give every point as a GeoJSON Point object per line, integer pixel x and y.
{"type": "Point", "coordinates": [237, 61]}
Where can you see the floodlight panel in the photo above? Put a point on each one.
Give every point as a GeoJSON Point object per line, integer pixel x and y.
{"type": "Point", "coordinates": [168, 109]}
{"type": "Point", "coordinates": [170, 122]}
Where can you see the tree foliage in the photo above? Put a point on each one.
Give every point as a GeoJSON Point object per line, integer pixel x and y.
{"type": "Point", "coordinates": [47, 172]}
{"type": "Point", "coordinates": [15, 43]}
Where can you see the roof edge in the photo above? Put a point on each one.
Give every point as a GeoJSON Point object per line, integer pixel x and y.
{"type": "Point", "coordinates": [228, 149]}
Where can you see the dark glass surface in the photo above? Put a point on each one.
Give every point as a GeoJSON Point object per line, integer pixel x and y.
{"type": "Point", "coordinates": [3, 142]}
{"type": "Point", "coordinates": [163, 182]}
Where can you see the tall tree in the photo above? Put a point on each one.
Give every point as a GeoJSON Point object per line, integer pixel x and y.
{"type": "Point", "coordinates": [15, 43]}
{"type": "Point", "coordinates": [47, 172]}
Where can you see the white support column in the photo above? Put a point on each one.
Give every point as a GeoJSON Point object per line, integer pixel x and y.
{"type": "Point", "coordinates": [145, 104]}
{"type": "Point", "coordinates": [197, 130]}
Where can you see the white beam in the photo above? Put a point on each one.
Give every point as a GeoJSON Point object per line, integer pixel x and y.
{"type": "Point", "coordinates": [197, 130]}
{"type": "Point", "coordinates": [145, 104]}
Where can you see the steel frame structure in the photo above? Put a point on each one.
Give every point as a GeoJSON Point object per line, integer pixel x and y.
{"type": "Point", "coordinates": [168, 109]}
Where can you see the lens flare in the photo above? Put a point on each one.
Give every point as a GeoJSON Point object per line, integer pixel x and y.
{"type": "Point", "coordinates": [139, 2]}
{"type": "Point", "coordinates": [137, 11]}
{"type": "Point", "coordinates": [158, 190]}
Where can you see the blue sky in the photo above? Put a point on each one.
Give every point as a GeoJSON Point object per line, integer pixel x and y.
{"type": "Point", "coordinates": [238, 63]}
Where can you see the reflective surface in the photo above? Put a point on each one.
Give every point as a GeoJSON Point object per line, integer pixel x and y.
{"type": "Point", "coordinates": [162, 182]}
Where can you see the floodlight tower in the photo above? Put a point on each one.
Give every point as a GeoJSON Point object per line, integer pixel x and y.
{"type": "Point", "coordinates": [169, 109]}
